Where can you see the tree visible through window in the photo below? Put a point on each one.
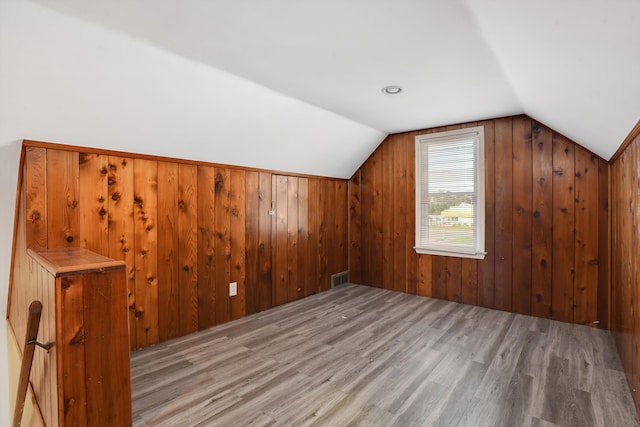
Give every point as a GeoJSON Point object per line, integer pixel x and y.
{"type": "Point", "coordinates": [450, 193]}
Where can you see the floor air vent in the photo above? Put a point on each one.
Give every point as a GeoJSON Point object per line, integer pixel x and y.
{"type": "Point", "coordinates": [339, 279]}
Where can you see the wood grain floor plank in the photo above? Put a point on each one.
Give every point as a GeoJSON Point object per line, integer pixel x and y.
{"type": "Point", "coordinates": [363, 356]}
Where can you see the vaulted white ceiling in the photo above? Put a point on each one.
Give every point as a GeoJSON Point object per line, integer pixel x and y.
{"type": "Point", "coordinates": [295, 85]}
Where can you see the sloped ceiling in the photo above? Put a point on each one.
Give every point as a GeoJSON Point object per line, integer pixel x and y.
{"type": "Point", "coordinates": [295, 85]}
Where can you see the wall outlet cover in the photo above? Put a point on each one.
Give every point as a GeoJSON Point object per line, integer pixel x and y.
{"type": "Point", "coordinates": [233, 289]}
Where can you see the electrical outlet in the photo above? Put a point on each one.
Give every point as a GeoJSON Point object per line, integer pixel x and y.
{"type": "Point", "coordinates": [233, 289]}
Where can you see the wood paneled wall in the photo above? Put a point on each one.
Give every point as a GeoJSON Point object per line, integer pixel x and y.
{"type": "Point", "coordinates": [546, 226]}
{"type": "Point", "coordinates": [186, 230]}
{"type": "Point", "coordinates": [625, 254]}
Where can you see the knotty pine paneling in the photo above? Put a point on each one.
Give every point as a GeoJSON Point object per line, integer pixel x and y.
{"type": "Point", "coordinates": [585, 291]}
{"type": "Point", "coordinates": [280, 240]}
{"type": "Point", "coordinates": [237, 226]}
{"type": "Point", "coordinates": [486, 267]}
{"type": "Point", "coordinates": [355, 225]}
{"type": "Point", "coordinates": [309, 235]}
{"type": "Point", "coordinates": [388, 234]}
{"type": "Point", "coordinates": [545, 226]}
{"type": "Point", "coordinates": [411, 260]}
{"type": "Point", "coordinates": [625, 253]}
{"type": "Point", "coordinates": [145, 187]}
{"type": "Point", "coordinates": [168, 251]}
{"type": "Point", "coordinates": [604, 243]}
{"type": "Point", "coordinates": [258, 241]}
{"type": "Point", "coordinates": [187, 248]}
{"type": "Point", "coordinates": [522, 217]}
{"type": "Point", "coordinates": [206, 248]}
{"type": "Point", "coordinates": [62, 198]}
{"type": "Point", "coordinates": [222, 251]}
{"type": "Point", "coordinates": [121, 229]}
{"type": "Point", "coordinates": [94, 191]}
{"type": "Point", "coordinates": [503, 289]}
{"type": "Point", "coordinates": [303, 237]}
{"type": "Point", "coordinates": [542, 222]}
{"type": "Point", "coordinates": [313, 229]}
{"type": "Point", "coordinates": [187, 230]}
{"type": "Point", "coordinates": [69, 310]}
{"type": "Point", "coordinates": [293, 289]}
{"type": "Point", "coordinates": [564, 199]}
{"type": "Point", "coordinates": [35, 177]}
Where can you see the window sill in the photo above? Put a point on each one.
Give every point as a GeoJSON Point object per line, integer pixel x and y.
{"type": "Point", "coordinates": [457, 254]}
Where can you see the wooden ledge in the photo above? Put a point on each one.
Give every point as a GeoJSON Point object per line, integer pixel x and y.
{"type": "Point", "coordinates": [66, 261]}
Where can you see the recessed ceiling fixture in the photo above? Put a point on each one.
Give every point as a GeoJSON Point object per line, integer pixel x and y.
{"type": "Point", "coordinates": [391, 90]}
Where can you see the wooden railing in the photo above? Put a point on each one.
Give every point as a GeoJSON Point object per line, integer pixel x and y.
{"type": "Point", "coordinates": [33, 322]}
{"type": "Point", "coordinates": [85, 379]}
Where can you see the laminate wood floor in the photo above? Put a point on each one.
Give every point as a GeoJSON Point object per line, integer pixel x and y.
{"type": "Point", "coordinates": [363, 356]}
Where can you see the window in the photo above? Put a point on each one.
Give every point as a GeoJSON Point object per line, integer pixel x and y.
{"type": "Point", "coordinates": [450, 193]}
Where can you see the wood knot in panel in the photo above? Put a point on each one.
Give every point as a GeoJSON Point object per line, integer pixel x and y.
{"type": "Point", "coordinates": [66, 283]}
{"type": "Point", "coordinates": [68, 404]}
{"type": "Point", "coordinates": [78, 337]}
{"type": "Point", "coordinates": [219, 183]}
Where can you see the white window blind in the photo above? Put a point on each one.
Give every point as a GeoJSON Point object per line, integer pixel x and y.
{"type": "Point", "coordinates": [450, 193]}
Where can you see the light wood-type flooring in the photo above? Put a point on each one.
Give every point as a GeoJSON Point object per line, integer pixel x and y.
{"type": "Point", "coordinates": [364, 356]}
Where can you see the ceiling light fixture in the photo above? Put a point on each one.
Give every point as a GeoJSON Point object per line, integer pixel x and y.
{"type": "Point", "coordinates": [391, 90]}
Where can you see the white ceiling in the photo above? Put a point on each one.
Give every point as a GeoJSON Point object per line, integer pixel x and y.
{"type": "Point", "coordinates": [572, 64]}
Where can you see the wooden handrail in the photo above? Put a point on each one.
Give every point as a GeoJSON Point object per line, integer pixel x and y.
{"type": "Point", "coordinates": [33, 322]}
